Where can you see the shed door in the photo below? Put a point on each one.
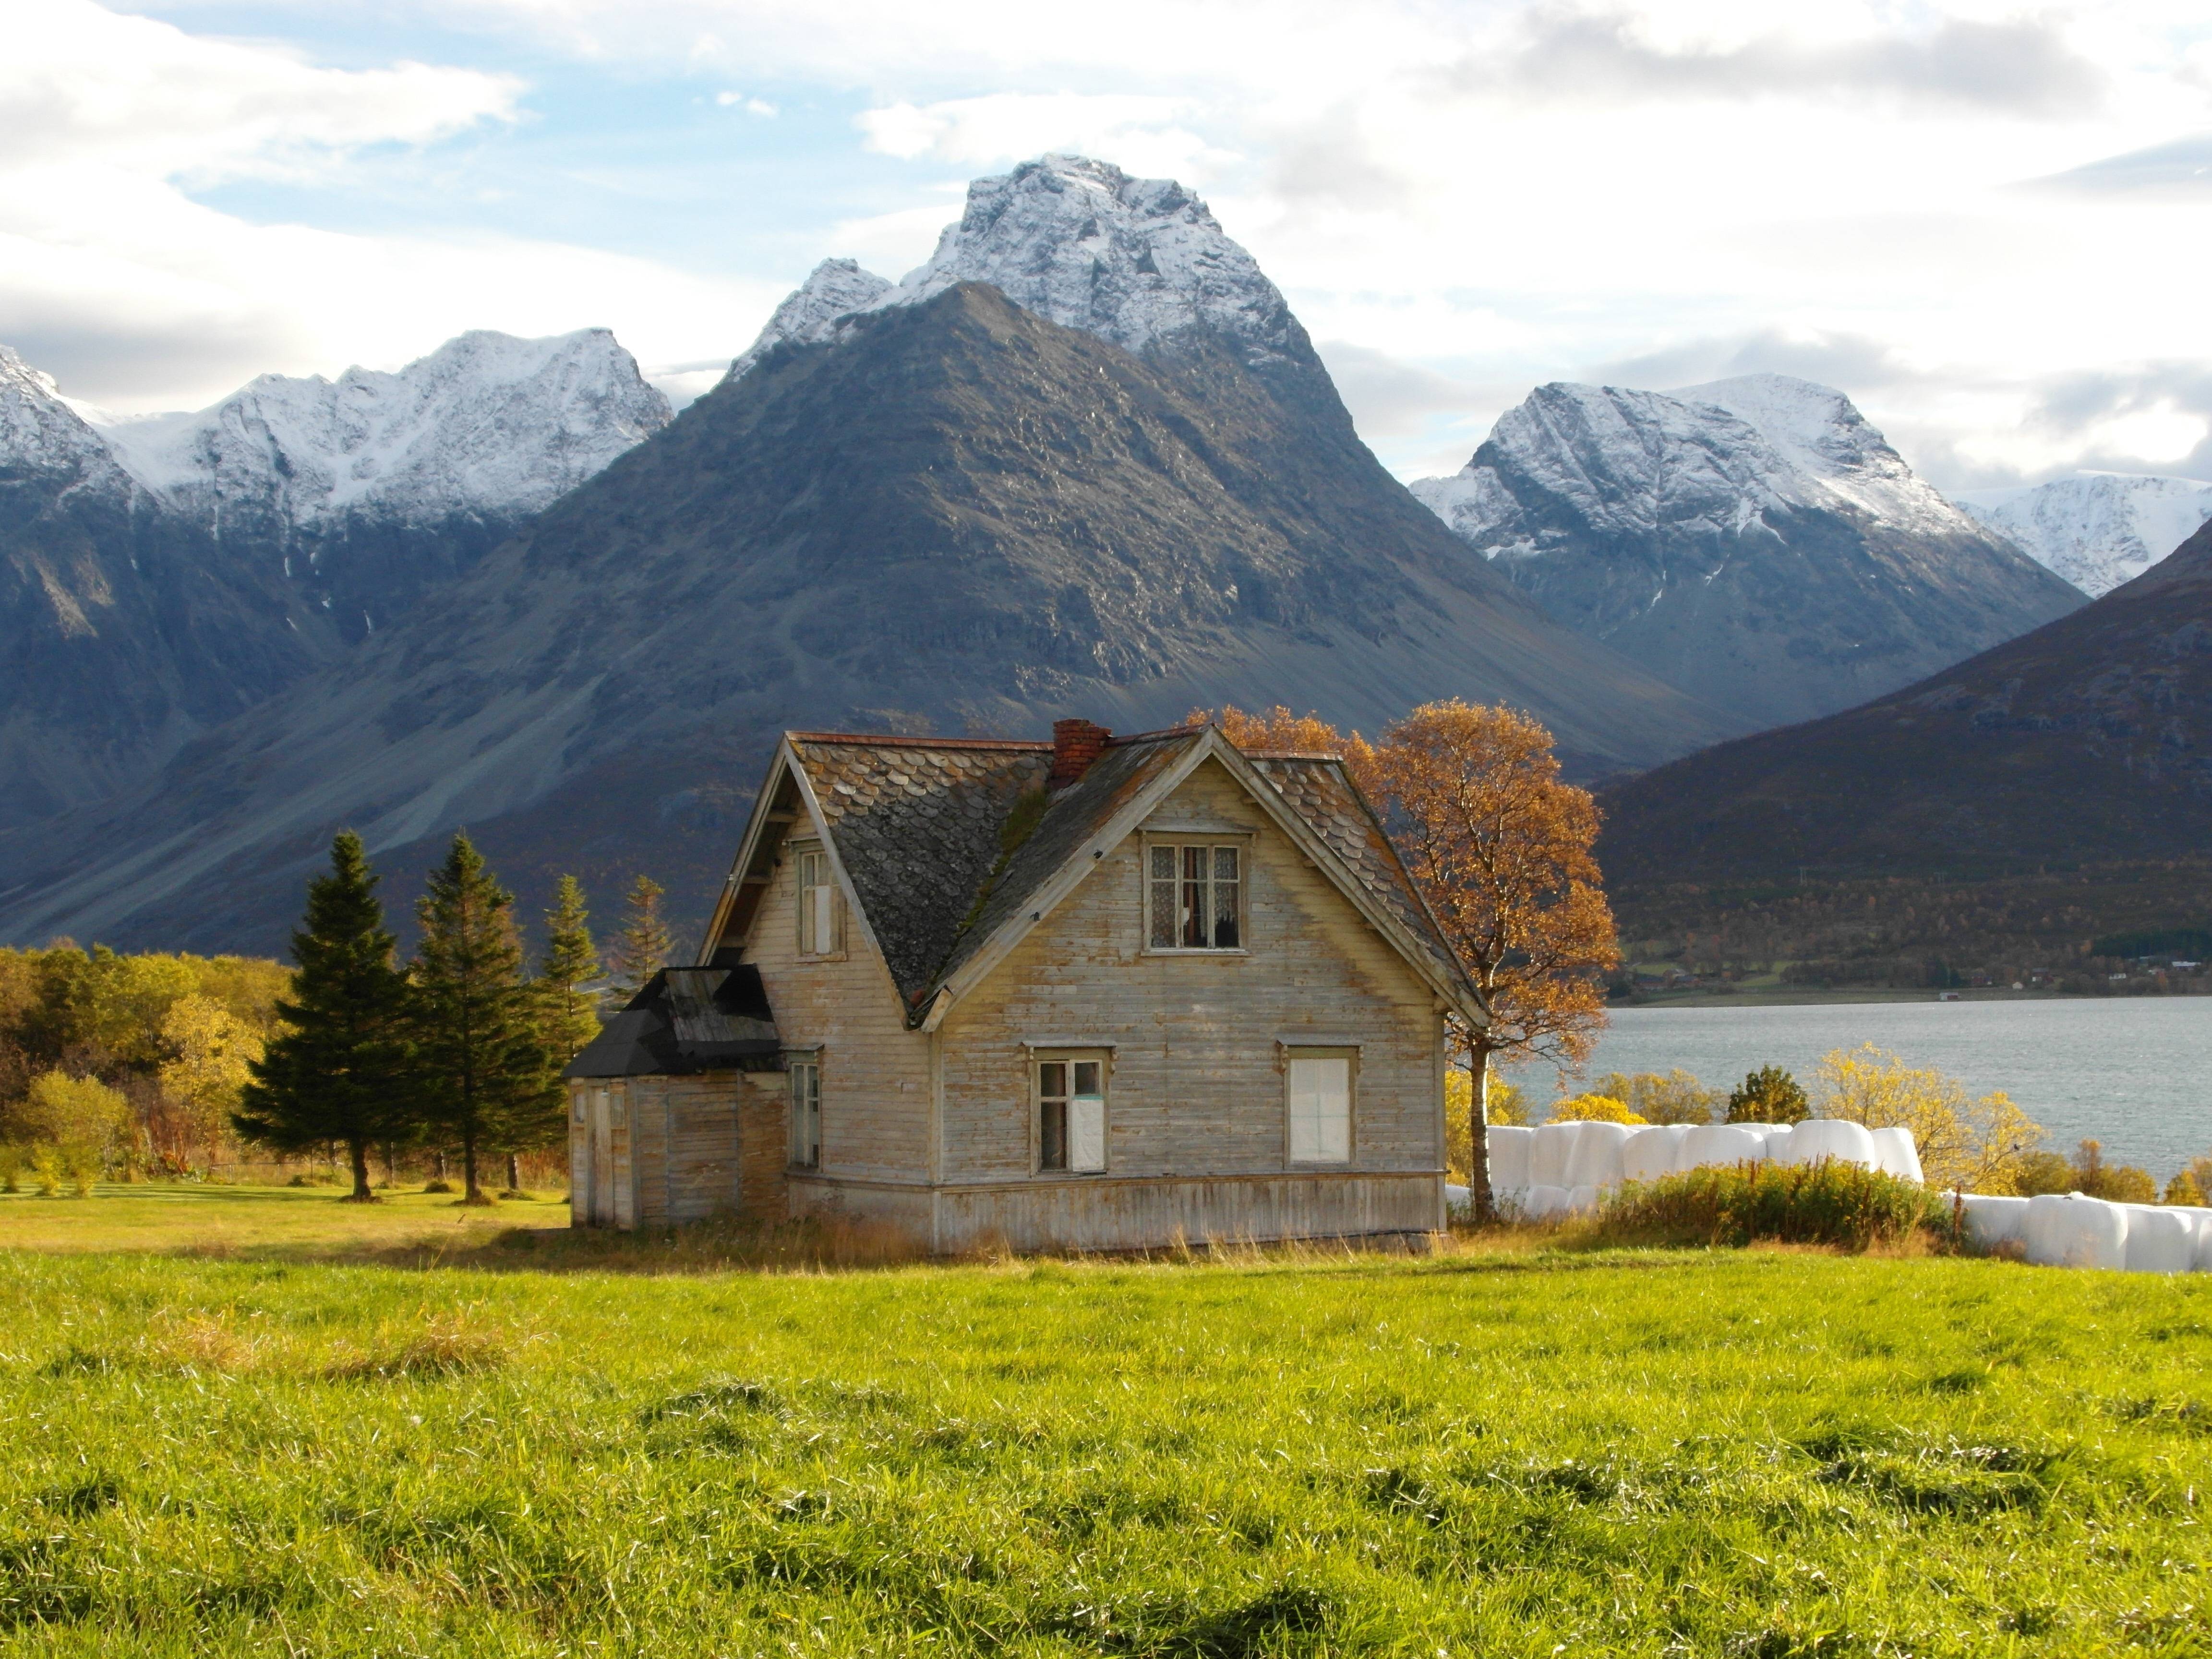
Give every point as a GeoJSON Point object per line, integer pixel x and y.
{"type": "Point", "coordinates": [603, 1159]}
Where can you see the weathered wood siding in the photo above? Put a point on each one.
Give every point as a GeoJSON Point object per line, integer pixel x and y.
{"type": "Point", "coordinates": [875, 1072]}
{"type": "Point", "coordinates": [1197, 1088]}
{"type": "Point", "coordinates": [763, 1145]}
{"type": "Point", "coordinates": [675, 1151]}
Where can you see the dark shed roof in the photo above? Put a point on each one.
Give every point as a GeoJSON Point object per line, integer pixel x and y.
{"type": "Point", "coordinates": [687, 1020]}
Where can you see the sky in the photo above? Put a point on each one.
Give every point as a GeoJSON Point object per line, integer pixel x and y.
{"type": "Point", "coordinates": [1990, 224]}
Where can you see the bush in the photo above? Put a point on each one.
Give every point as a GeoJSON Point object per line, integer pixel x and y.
{"type": "Point", "coordinates": [1675, 1097]}
{"type": "Point", "coordinates": [312, 1178]}
{"type": "Point", "coordinates": [1769, 1095]}
{"type": "Point", "coordinates": [2116, 1184]}
{"type": "Point", "coordinates": [1593, 1109]}
{"type": "Point", "coordinates": [1825, 1203]}
{"type": "Point", "coordinates": [2181, 1190]}
{"type": "Point", "coordinates": [12, 1160]}
{"type": "Point", "coordinates": [1968, 1144]}
{"type": "Point", "coordinates": [437, 1186]}
{"type": "Point", "coordinates": [2038, 1173]}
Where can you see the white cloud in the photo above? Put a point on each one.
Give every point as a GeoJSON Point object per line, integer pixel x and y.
{"type": "Point", "coordinates": [1145, 136]}
{"type": "Point", "coordinates": [137, 295]}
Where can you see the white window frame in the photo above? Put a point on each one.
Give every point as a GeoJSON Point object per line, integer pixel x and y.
{"type": "Point", "coordinates": [803, 1098]}
{"type": "Point", "coordinates": [818, 907]}
{"type": "Point", "coordinates": [1086, 1119]}
{"type": "Point", "coordinates": [1303, 1150]}
{"type": "Point", "coordinates": [1180, 843]}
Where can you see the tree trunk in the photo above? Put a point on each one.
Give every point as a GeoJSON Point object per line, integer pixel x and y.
{"type": "Point", "coordinates": [440, 1156]}
{"type": "Point", "coordinates": [470, 1192]}
{"type": "Point", "coordinates": [1478, 1157]}
{"type": "Point", "coordinates": [513, 1173]}
{"type": "Point", "coordinates": [359, 1150]}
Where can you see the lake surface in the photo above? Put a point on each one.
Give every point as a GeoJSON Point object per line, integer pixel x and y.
{"type": "Point", "coordinates": [2134, 1074]}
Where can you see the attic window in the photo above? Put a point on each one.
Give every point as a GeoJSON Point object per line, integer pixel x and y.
{"type": "Point", "coordinates": [1195, 895]}
{"type": "Point", "coordinates": [819, 929]}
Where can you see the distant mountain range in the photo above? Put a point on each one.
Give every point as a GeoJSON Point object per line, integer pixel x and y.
{"type": "Point", "coordinates": [1083, 460]}
{"type": "Point", "coordinates": [2096, 529]}
{"type": "Point", "coordinates": [159, 576]}
{"type": "Point", "coordinates": [1114, 481]}
{"type": "Point", "coordinates": [2089, 739]}
{"type": "Point", "coordinates": [1753, 543]}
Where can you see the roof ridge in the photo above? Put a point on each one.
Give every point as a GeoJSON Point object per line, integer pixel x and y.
{"type": "Point", "coordinates": [1294, 754]}
{"type": "Point", "coordinates": [893, 740]}
{"type": "Point", "coordinates": [1160, 735]}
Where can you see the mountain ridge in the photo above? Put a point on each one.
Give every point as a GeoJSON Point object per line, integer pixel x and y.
{"type": "Point", "coordinates": [955, 513]}
{"type": "Point", "coordinates": [1754, 541]}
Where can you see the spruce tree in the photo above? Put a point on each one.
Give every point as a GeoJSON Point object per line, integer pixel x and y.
{"type": "Point", "coordinates": [643, 948]}
{"type": "Point", "coordinates": [568, 1014]}
{"type": "Point", "coordinates": [482, 1065]}
{"type": "Point", "coordinates": [337, 1071]}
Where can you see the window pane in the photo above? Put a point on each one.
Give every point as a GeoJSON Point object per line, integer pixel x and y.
{"type": "Point", "coordinates": [1225, 898]}
{"type": "Point", "coordinates": [1193, 921]}
{"type": "Point", "coordinates": [1052, 1078]}
{"type": "Point", "coordinates": [1086, 1134]}
{"type": "Point", "coordinates": [1163, 863]}
{"type": "Point", "coordinates": [1052, 1138]}
{"type": "Point", "coordinates": [1086, 1076]}
{"type": "Point", "coordinates": [1320, 1111]}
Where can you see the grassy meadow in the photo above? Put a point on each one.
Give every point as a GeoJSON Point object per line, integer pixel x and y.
{"type": "Point", "coordinates": [303, 1443]}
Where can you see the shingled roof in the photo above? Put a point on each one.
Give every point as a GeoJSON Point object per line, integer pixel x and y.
{"type": "Point", "coordinates": [946, 842]}
{"type": "Point", "coordinates": [687, 1020]}
{"type": "Point", "coordinates": [916, 824]}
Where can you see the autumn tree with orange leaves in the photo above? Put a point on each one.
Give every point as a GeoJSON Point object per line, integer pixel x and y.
{"type": "Point", "coordinates": [1500, 849]}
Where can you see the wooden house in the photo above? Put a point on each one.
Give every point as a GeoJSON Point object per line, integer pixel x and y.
{"type": "Point", "coordinates": [1102, 993]}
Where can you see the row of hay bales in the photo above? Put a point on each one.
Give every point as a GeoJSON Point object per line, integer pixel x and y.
{"type": "Point", "coordinates": [1559, 1169]}
{"type": "Point", "coordinates": [2069, 1230]}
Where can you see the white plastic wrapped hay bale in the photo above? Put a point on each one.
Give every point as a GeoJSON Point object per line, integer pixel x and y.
{"type": "Point", "coordinates": [1720, 1143]}
{"type": "Point", "coordinates": [1595, 1160]}
{"type": "Point", "coordinates": [1459, 1202]}
{"type": "Point", "coordinates": [1651, 1153]}
{"type": "Point", "coordinates": [1992, 1221]}
{"type": "Point", "coordinates": [1508, 1154]}
{"type": "Point", "coordinates": [1550, 1146]}
{"type": "Point", "coordinates": [2159, 1240]}
{"type": "Point", "coordinates": [2204, 1242]}
{"type": "Point", "coordinates": [1581, 1200]}
{"type": "Point", "coordinates": [2069, 1231]}
{"type": "Point", "coordinates": [1898, 1156]}
{"type": "Point", "coordinates": [1829, 1139]}
{"type": "Point", "coordinates": [1546, 1203]}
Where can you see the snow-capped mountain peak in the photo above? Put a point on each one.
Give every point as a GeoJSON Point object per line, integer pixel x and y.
{"type": "Point", "coordinates": [833, 291]}
{"type": "Point", "coordinates": [40, 431]}
{"type": "Point", "coordinates": [487, 424]}
{"type": "Point", "coordinates": [1080, 243]}
{"type": "Point", "coordinates": [2097, 529]}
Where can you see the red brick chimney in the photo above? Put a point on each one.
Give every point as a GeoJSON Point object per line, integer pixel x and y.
{"type": "Point", "coordinates": [1075, 744]}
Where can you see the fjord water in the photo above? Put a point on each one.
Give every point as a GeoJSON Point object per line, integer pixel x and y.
{"type": "Point", "coordinates": [2135, 1073]}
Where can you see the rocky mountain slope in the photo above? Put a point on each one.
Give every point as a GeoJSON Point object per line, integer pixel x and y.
{"type": "Point", "coordinates": [1754, 541]}
{"type": "Point", "coordinates": [162, 575]}
{"type": "Point", "coordinates": [2086, 740]}
{"type": "Point", "coordinates": [2096, 529]}
{"type": "Point", "coordinates": [125, 629]}
{"type": "Point", "coordinates": [948, 513]}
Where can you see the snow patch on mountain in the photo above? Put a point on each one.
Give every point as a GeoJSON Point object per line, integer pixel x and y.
{"type": "Point", "coordinates": [833, 291]}
{"type": "Point", "coordinates": [2097, 530]}
{"type": "Point", "coordinates": [487, 425]}
{"type": "Point", "coordinates": [41, 432]}
{"type": "Point", "coordinates": [1079, 243]}
{"type": "Point", "coordinates": [1719, 456]}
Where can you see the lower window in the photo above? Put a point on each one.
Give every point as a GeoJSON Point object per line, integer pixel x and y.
{"type": "Point", "coordinates": [806, 1114]}
{"type": "Point", "coordinates": [1321, 1109]}
{"type": "Point", "coordinates": [1072, 1116]}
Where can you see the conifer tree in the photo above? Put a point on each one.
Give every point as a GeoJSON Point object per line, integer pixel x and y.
{"type": "Point", "coordinates": [337, 1071]}
{"type": "Point", "coordinates": [643, 948]}
{"type": "Point", "coordinates": [481, 1062]}
{"type": "Point", "coordinates": [568, 1014]}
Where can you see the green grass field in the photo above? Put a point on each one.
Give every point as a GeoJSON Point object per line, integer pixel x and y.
{"type": "Point", "coordinates": [1749, 1454]}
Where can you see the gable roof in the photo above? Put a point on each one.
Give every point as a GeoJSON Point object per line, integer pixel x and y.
{"type": "Point", "coordinates": [924, 831]}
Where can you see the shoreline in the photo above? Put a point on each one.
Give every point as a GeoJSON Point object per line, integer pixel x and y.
{"type": "Point", "coordinates": [1844, 996]}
